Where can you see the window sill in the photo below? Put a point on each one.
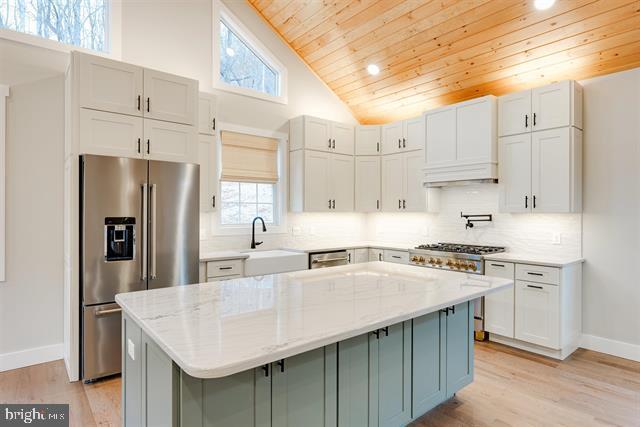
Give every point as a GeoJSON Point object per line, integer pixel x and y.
{"type": "Point", "coordinates": [220, 85]}
{"type": "Point", "coordinates": [243, 230]}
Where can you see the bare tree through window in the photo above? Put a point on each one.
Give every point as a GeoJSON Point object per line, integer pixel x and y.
{"type": "Point", "coordinates": [76, 22]}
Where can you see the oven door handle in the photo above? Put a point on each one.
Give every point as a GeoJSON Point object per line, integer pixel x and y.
{"type": "Point", "coordinates": [317, 261]}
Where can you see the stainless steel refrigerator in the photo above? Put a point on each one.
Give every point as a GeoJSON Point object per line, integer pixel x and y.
{"type": "Point", "coordinates": [139, 230]}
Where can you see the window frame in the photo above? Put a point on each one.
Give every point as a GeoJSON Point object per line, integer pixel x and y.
{"type": "Point", "coordinates": [222, 13]}
{"type": "Point", "coordinates": [113, 35]}
{"type": "Point", "coordinates": [216, 228]}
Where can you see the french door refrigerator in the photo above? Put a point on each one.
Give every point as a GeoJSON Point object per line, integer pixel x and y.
{"type": "Point", "coordinates": [139, 230]}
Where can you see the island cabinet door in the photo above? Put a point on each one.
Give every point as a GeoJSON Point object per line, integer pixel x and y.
{"type": "Point", "coordinates": [391, 378]}
{"type": "Point", "coordinates": [459, 348]}
{"type": "Point", "coordinates": [428, 362]}
{"type": "Point", "coordinates": [354, 381]}
{"type": "Point", "coordinates": [304, 389]}
{"type": "Point", "coordinates": [242, 399]}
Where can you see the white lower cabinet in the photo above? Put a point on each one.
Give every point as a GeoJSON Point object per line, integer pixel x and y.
{"type": "Point", "coordinates": [398, 257]}
{"type": "Point", "coordinates": [499, 307]}
{"type": "Point", "coordinates": [225, 270]}
{"type": "Point", "coordinates": [538, 314]}
{"type": "Point", "coordinates": [376, 254]}
{"type": "Point", "coordinates": [170, 141]}
{"type": "Point", "coordinates": [110, 134]}
{"type": "Point", "coordinates": [357, 256]}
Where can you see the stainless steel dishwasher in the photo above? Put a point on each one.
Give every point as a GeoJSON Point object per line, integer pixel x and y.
{"type": "Point", "coordinates": [328, 259]}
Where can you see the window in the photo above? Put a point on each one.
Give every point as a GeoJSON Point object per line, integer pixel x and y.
{"type": "Point", "coordinates": [82, 23]}
{"type": "Point", "coordinates": [242, 64]}
{"type": "Point", "coordinates": [243, 201]}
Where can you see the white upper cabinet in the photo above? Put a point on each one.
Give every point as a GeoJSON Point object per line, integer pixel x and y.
{"type": "Point", "coordinates": [312, 133]}
{"type": "Point", "coordinates": [547, 107]}
{"type": "Point", "coordinates": [207, 159]}
{"type": "Point", "coordinates": [321, 182]}
{"type": "Point", "coordinates": [111, 134]}
{"type": "Point", "coordinates": [207, 104]}
{"type": "Point", "coordinates": [109, 85]}
{"type": "Point", "coordinates": [168, 141]}
{"type": "Point", "coordinates": [401, 188]}
{"type": "Point", "coordinates": [368, 140]}
{"type": "Point", "coordinates": [367, 183]}
{"type": "Point", "coordinates": [406, 135]}
{"type": "Point", "coordinates": [542, 171]}
{"type": "Point", "coordinates": [461, 142]}
{"type": "Point", "coordinates": [170, 98]}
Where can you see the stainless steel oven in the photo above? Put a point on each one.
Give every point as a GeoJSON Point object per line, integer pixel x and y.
{"type": "Point", "coordinates": [328, 259]}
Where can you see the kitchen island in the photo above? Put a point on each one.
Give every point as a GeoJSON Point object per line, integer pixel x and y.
{"type": "Point", "coordinates": [358, 345]}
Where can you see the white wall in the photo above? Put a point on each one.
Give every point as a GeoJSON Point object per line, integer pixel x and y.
{"type": "Point", "coordinates": [31, 298]}
{"type": "Point", "coordinates": [611, 239]}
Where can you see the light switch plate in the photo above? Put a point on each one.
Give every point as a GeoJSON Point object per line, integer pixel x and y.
{"type": "Point", "coordinates": [131, 349]}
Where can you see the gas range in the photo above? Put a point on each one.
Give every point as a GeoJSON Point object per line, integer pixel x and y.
{"type": "Point", "coordinates": [452, 256]}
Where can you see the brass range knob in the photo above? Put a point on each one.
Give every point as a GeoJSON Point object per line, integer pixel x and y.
{"type": "Point", "coordinates": [449, 263]}
{"type": "Point", "coordinates": [432, 261]}
{"type": "Point", "coordinates": [421, 259]}
{"type": "Point", "coordinates": [438, 261]}
{"type": "Point", "coordinates": [473, 267]}
{"type": "Point", "coordinates": [414, 259]}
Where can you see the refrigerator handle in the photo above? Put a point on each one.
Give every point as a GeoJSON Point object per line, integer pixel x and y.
{"type": "Point", "coordinates": [145, 210]}
{"type": "Point", "coordinates": [154, 193]}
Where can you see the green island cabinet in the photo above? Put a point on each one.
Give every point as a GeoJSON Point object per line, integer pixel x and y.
{"type": "Point", "coordinates": [387, 377]}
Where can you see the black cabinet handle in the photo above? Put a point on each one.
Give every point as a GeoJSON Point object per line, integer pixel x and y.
{"type": "Point", "coordinates": [139, 97]}
{"type": "Point", "coordinates": [497, 265]}
{"type": "Point", "coordinates": [534, 287]}
{"type": "Point", "coordinates": [333, 204]}
{"type": "Point", "coordinates": [214, 123]}
{"type": "Point", "coordinates": [377, 204]}
{"type": "Point", "coordinates": [213, 201]}
{"type": "Point", "coordinates": [265, 368]}
{"type": "Point", "coordinates": [386, 331]}
{"type": "Point", "coordinates": [395, 256]}
{"type": "Point", "coordinates": [399, 204]}
{"type": "Point", "coordinates": [148, 104]}
{"type": "Point", "coordinates": [329, 203]}
{"type": "Point", "coordinates": [376, 333]}
{"type": "Point", "coordinates": [329, 142]}
{"type": "Point", "coordinates": [404, 143]}
{"type": "Point", "coordinates": [526, 202]}
{"type": "Point", "coordinates": [445, 311]}
{"type": "Point", "coordinates": [534, 274]}
{"type": "Point", "coordinates": [379, 257]}
{"type": "Point", "coordinates": [349, 258]}
{"type": "Point", "coordinates": [334, 143]}
{"type": "Point", "coordinates": [534, 119]}
{"type": "Point", "coordinates": [453, 309]}
{"type": "Point", "coordinates": [225, 268]}
{"type": "Point", "coordinates": [399, 143]}
{"type": "Point", "coordinates": [138, 145]}
{"type": "Point", "coordinates": [534, 202]}
{"type": "Point", "coordinates": [526, 120]}
{"type": "Point", "coordinates": [281, 364]}
{"type": "Point", "coordinates": [404, 204]}
{"type": "Point", "coordinates": [377, 147]}
{"type": "Point", "coordinates": [148, 146]}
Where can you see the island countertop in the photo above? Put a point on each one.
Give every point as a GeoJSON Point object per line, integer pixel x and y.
{"type": "Point", "coordinates": [217, 329]}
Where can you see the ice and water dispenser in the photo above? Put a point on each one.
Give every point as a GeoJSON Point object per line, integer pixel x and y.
{"type": "Point", "coordinates": [119, 239]}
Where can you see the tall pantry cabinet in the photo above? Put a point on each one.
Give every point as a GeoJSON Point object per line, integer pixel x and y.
{"type": "Point", "coordinates": [540, 149]}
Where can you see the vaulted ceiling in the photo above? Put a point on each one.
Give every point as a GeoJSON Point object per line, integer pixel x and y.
{"type": "Point", "coordinates": [432, 53]}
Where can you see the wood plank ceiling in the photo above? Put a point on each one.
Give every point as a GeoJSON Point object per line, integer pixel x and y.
{"type": "Point", "coordinates": [438, 52]}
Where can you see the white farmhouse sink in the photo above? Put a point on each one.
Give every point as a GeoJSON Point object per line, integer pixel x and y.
{"type": "Point", "coordinates": [260, 263]}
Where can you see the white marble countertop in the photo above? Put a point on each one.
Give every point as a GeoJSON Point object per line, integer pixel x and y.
{"type": "Point", "coordinates": [217, 329]}
{"type": "Point", "coordinates": [222, 255]}
{"type": "Point", "coordinates": [551, 261]}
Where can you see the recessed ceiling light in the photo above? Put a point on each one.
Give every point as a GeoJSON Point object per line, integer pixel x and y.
{"type": "Point", "coordinates": [230, 51]}
{"type": "Point", "coordinates": [373, 69]}
{"type": "Point", "coordinates": [543, 4]}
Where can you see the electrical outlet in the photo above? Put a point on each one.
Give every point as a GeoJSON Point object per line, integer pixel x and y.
{"type": "Point", "coordinates": [131, 349]}
{"type": "Point", "coordinates": [557, 238]}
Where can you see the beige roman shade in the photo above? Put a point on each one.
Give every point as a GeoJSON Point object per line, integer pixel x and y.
{"type": "Point", "coordinates": [249, 158]}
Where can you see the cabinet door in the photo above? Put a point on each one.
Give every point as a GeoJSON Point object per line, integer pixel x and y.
{"type": "Point", "coordinates": [367, 192]}
{"type": "Point", "coordinates": [317, 134]}
{"type": "Point", "coordinates": [392, 138]}
{"type": "Point", "coordinates": [362, 255]}
{"type": "Point", "coordinates": [476, 140]}
{"type": "Point", "coordinates": [428, 362]}
{"type": "Point", "coordinates": [514, 113]}
{"type": "Point", "coordinates": [459, 348]}
{"type": "Point", "coordinates": [393, 366]}
{"type": "Point", "coordinates": [538, 314]}
{"type": "Point", "coordinates": [344, 138]}
{"type": "Point", "coordinates": [376, 254]}
{"type": "Point", "coordinates": [413, 134]}
{"type": "Point", "coordinates": [109, 85]}
{"type": "Point", "coordinates": [316, 181]}
{"type": "Point", "coordinates": [110, 134]}
{"type": "Point", "coordinates": [515, 173]}
{"type": "Point", "coordinates": [208, 173]}
{"type": "Point", "coordinates": [414, 199]}
{"type": "Point", "coordinates": [392, 188]}
{"type": "Point", "coordinates": [499, 307]}
{"type": "Point", "coordinates": [206, 113]}
{"type": "Point", "coordinates": [551, 170]}
{"type": "Point", "coordinates": [304, 389]}
{"type": "Point", "coordinates": [169, 97]}
{"type": "Point", "coordinates": [170, 141]}
{"type": "Point", "coordinates": [368, 140]}
{"type": "Point", "coordinates": [441, 137]}
{"type": "Point", "coordinates": [354, 382]}
{"type": "Point", "coordinates": [552, 106]}
{"type": "Point", "coordinates": [342, 183]}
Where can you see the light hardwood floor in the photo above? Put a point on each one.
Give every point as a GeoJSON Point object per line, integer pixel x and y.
{"type": "Point", "coordinates": [511, 388]}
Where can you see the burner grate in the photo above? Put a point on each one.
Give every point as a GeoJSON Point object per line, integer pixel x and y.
{"type": "Point", "coordinates": [462, 248]}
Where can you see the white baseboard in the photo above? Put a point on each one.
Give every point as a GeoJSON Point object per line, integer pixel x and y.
{"type": "Point", "coordinates": [612, 347]}
{"type": "Point", "coordinates": [32, 356]}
